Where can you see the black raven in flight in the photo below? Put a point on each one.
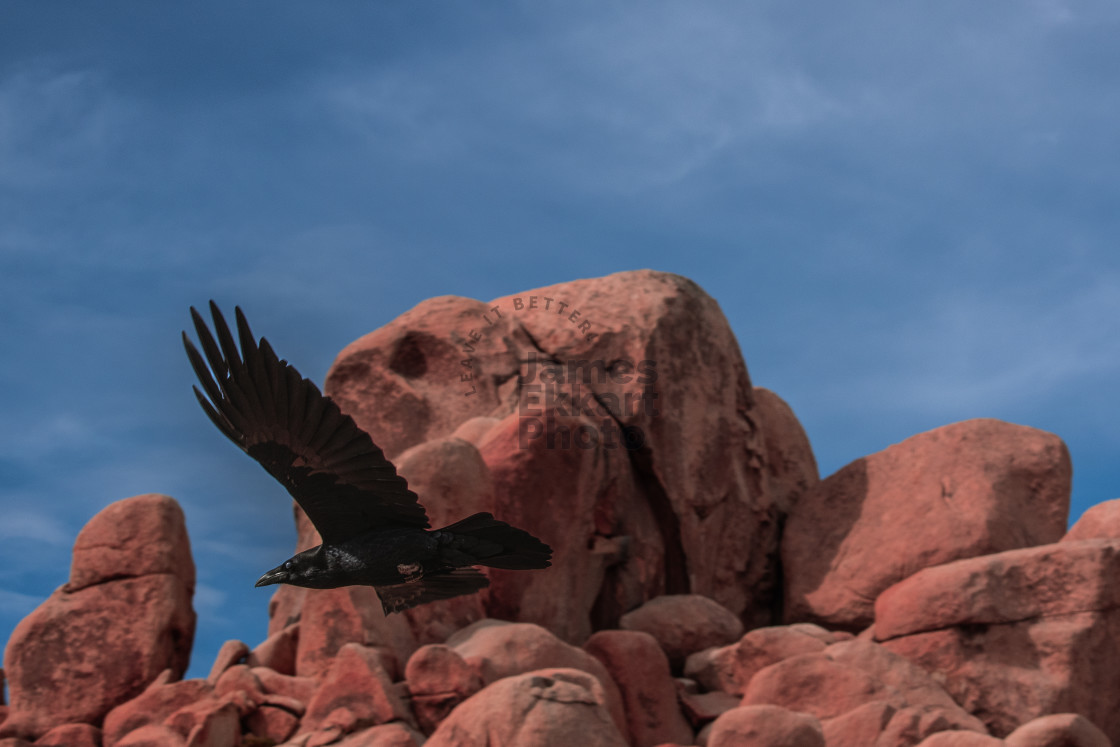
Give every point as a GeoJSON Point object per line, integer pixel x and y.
{"type": "Point", "coordinates": [374, 531]}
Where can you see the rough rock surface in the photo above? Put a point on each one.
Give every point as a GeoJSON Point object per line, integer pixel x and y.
{"type": "Point", "coordinates": [496, 649]}
{"type": "Point", "coordinates": [1018, 634]}
{"type": "Point", "coordinates": [980, 625]}
{"type": "Point", "coordinates": [1058, 730]}
{"type": "Point", "coordinates": [695, 504]}
{"type": "Point", "coordinates": [357, 683]}
{"type": "Point", "coordinates": [438, 680]}
{"type": "Point", "coordinates": [1101, 521]}
{"type": "Point", "coordinates": [124, 617]}
{"type": "Point", "coordinates": [791, 466]}
{"type": "Point", "coordinates": [684, 623]}
{"type": "Point", "coordinates": [635, 661]}
{"type": "Point", "coordinates": [71, 735]}
{"type": "Point", "coordinates": [959, 491]}
{"type": "Point", "coordinates": [544, 708]}
{"type": "Point", "coordinates": [730, 668]}
{"type": "Point", "coordinates": [765, 725]}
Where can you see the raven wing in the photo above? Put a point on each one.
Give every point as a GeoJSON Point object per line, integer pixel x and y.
{"type": "Point", "coordinates": [340, 478]}
{"type": "Point", "coordinates": [441, 585]}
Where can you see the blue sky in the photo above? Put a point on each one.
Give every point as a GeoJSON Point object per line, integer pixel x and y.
{"type": "Point", "coordinates": [907, 211]}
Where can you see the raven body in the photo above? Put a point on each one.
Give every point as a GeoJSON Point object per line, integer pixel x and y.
{"type": "Point", "coordinates": [374, 530]}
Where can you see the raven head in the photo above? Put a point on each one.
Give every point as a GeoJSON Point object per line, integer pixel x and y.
{"type": "Point", "coordinates": [308, 568]}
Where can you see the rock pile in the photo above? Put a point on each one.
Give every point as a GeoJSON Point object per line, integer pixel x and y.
{"type": "Point", "coordinates": [708, 589]}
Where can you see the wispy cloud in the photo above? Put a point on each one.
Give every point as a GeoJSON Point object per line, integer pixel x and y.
{"type": "Point", "coordinates": [54, 124]}
{"type": "Point", "coordinates": [34, 526]}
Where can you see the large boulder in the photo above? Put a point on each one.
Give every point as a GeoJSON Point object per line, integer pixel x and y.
{"type": "Point", "coordinates": [497, 649]}
{"type": "Point", "coordinates": [124, 617]}
{"type": "Point", "coordinates": [1018, 634]}
{"type": "Point", "coordinates": [729, 668]}
{"type": "Point", "coordinates": [455, 482]}
{"type": "Point", "coordinates": [332, 618]}
{"type": "Point", "coordinates": [971, 488]}
{"type": "Point", "coordinates": [680, 504]}
{"type": "Point", "coordinates": [544, 708]}
{"type": "Point", "coordinates": [438, 680]}
{"type": "Point", "coordinates": [640, 668]}
{"type": "Point", "coordinates": [356, 692]}
{"type": "Point", "coordinates": [790, 465]}
{"type": "Point", "coordinates": [1101, 521]}
{"type": "Point", "coordinates": [683, 624]}
{"type": "Point", "coordinates": [1058, 730]}
{"type": "Point", "coordinates": [767, 725]}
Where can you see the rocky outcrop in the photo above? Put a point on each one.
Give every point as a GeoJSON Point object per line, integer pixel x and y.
{"type": "Point", "coordinates": [959, 491]}
{"type": "Point", "coordinates": [694, 507]}
{"type": "Point", "coordinates": [1018, 634]}
{"type": "Point", "coordinates": [987, 629]}
{"type": "Point", "coordinates": [544, 708]}
{"type": "Point", "coordinates": [683, 623]}
{"type": "Point", "coordinates": [638, 665]}
{"type": "Point", "coordinates": [1101, 521]}
{"type": "Point", "coordinates": [123, 618]}
{"type": "Point", "coordinates": [765, 725]}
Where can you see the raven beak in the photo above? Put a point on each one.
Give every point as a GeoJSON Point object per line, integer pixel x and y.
{"type": "Point", "coordinates": [275, 576]}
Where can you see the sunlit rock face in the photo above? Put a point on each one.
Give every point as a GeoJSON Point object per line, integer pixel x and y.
{"type": "Point", "coordinates": [706, 587]}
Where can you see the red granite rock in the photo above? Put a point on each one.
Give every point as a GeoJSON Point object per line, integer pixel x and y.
{"type": "Point", "coordinates": [1101, 521]}
{"type": "Point", "coordinates": [102, 638]}
{"type": "Point", "coordinates": [395, 734]}
{"type": "Point", "coordinates": [80, 653]}
{"type": "Point", "coordinates": [455, 482]}
{"type": "Point", "coordinates": [713, 669]}
{"type": "Point", "coordinates": [695, 506]}
{"type": "Point", "coordinates": [355, 681]}
{"type": "Point", "coordinates": [791, 468]}
{"type": "Point", "coordinates": [1018, 634]}
{"type": "Point", "coordinates": [475, 430]}
{"type": "Point", "coordinates": [207, 723]}
{"type": "Point", "coordinates": [756, 650]}
{"type": "Point", "coordinates": [584, 501]}
{"type": "Point", "coordinates": [231, 653]}
{"type": "Point", "coordinates": [860, 727]}
{"type": "Point", "coordinates": [683, 624]}
{"type": "Point", "coordinates": [700, 708]}
{"type": "Point", "coordinates": [71, 735]}
{"type": "Point", "coordinates": [963, 490]}
{"type": "Point", "coordinates": [297, 688]}
{"type": "Point", "coordinates": [496, 649]}
{"type": "Point", "coordinates": [960, 739]}
{"type": "Point", "coordinates": [637, 664]}
{"type": "Point", "coordinates": [278, 651]}
{"type": "Point", "coordinates": [331, 618]}
{"type": "Point", "coordinates": [271, 722]}
{"type": "Point", "coordinates": [814, 683]}
{"type": "Point", "coordinates": [152, 735]}
{"type": "Point", "coordinates": [545, 708]}
{"type": "Point", "coordinates": [766, 725]}
{"type": "Point", "coordinates": [159, 700]}
{"type": "Point", "coordinates": [137, 536]}
{"type": "Point", "coordinates": [1058, 730]}
{"type": "Point", "coordinates": [438, 680]}
{"type": "Point", "coordinates": [916, 686]}
{"type": "Point", "coordinates": [729, 668]}
{"type": "Point", "coordinates": [240, 685]}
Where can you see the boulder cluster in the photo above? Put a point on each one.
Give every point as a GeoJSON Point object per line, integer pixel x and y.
{"type": "Point", "coordinates": [707, 587]}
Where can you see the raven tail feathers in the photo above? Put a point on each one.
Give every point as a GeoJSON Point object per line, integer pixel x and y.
{"type": "Point", "coordinates": [481, 539]}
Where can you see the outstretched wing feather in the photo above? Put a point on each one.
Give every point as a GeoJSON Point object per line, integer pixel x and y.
{"type": "Point", "coordinates": [340, 478]}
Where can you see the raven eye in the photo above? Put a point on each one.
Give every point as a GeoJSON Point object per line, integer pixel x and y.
{"type": "Point", "coordinates": [287, 565]}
